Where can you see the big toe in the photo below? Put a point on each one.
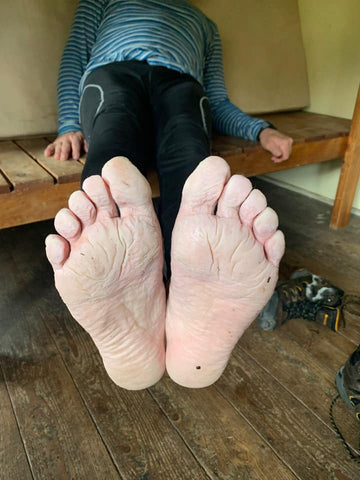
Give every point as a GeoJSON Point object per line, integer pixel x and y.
{"type": "Point", "coordinates": [204, 186]}
{"type": "Point", "coordinates": [129, 188]}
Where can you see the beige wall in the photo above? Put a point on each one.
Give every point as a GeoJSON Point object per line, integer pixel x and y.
{"type": "Point", "coordinates": [332, 46]}
{"type": "Point", "coordinates": [33, 34]}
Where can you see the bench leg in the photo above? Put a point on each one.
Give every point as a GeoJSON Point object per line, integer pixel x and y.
{"type": "Point", "coordinates": [349, 175]}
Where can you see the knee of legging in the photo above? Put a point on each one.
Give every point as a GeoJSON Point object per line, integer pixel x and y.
{"type": "Point", "coordinates": [183, 134]}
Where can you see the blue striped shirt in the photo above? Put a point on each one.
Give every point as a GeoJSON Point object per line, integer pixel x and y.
{"type": "Point", "coordinates": [168, 33]}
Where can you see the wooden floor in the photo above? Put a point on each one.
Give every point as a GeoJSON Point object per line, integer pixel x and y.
{"type": "Point", "coordinates": [266, 418]}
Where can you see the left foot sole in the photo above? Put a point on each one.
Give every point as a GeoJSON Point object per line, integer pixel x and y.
{"type": "Point", "coordinates": [224, 270]}
{"type": "Point", "coordinates": [108, 271]}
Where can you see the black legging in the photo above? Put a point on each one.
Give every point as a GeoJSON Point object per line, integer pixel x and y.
{"type": "Point", "coordinates": [151, 115]}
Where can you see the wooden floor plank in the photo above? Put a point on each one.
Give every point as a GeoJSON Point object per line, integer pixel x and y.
{"type": "Point", "coordinates": [186, 434]}
{"type": "Point", "coordinates": [21, 170]}
{"type": "Point", "coordinates": [59, 436]}
{"type": "Point", "coordinates": [300, 373]}
{"type": "Point", "coordinates": [284, 422]}
{"type": "Point", "coordinates": [220, 439]}
{"type": "Point", "coordinates": [63, 172]}
{"type": "Point", "coordinates": [138, 437]}
{"type": "Point", "coordinates": [13, 461]}
{"type": "Point", "coordinates": [327, 347]}
{"type": "Point", "coordinates": [140, 440]}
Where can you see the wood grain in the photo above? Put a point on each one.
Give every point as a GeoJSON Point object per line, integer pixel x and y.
{"type": "Point", "coordinates": [13, 459]}
{"type": "Point", "coordinates": [49, 410]}
{"type": "Point", "coordinates": [22, 207]}
{"type": "Point", "coordinates": [309, 380]}
{"type": "Point", "coordinates": [21, 170]}
{"type": "Point", "coordinates": [317, 138]}
{"type": "Point", "coordinates": [283, 421]}
{"type": "Point", "coordinates": [63, 172]}
{"type": "Point", "coordinates": [307, 126]}
{"type": "Point", "coordinates": [279, 384]}
{"type": "Point", "coordinates": [252, 163]}
{"type": "Point", "coordinates": [140, 440]}
{"type": "Point", "coordinates": [222, 441]}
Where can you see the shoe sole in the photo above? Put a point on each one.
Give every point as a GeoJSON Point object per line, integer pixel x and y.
{"type": "Point", "coordinates": [341, 389]}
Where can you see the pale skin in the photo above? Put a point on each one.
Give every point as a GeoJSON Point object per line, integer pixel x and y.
{"type": "Point", "coordinates": [71, 144]}
{"type": "Point", "coordinates": [226, 249]}
{"type": "Point", "coordinates": [108, 266]}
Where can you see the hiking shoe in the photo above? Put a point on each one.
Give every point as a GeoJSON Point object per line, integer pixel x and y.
{"type": "Point", "coordinates": [348, 382]}
{"type": "Point", "coordinates": [306, 296]}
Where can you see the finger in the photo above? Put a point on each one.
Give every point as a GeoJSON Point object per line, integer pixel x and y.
{"type": "Point", "coordinates": [65, 150]}
{"type": "Point", "coordinates": [274, 148]}
{"type": "Point", "coordinates": [278, 160]}
{"type": "Point", "coordinates": [76, 146]}
{"type": "Point", "coordinates": [286, 150]}
{"type": "Point", "coordinates": [57, 151]}
{"type": "Point", "coordinates": [49, 150]}
{"type": "Point", "coordinates": [86, 148]}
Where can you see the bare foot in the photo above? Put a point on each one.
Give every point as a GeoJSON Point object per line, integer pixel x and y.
{"type": "Point", "coordinates": [108, 271]}
{"type": "Point", "coordinates": [224, 270]}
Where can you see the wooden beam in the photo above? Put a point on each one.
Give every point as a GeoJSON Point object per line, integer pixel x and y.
{"type": "Point", "coordinates": [349, 175]}
{"type": "Point", "coordinates": [21, 207]}
{"type": "Point", "coordinates": [258, 162]}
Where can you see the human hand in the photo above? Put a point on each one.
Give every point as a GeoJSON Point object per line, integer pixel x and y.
{"type": "Point", "coordinates": [278, 144]}
{"type": "Point", "coordinates": [66, 146]}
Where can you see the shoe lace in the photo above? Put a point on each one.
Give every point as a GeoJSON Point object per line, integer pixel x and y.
{"type": "Point", "coordinates": [348, 448]}
{"type": "Point", "coordinates": [297, 306]}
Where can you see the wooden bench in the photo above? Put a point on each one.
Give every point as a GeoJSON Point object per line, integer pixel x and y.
{"type": "Point", "coordinates": [34, 188]}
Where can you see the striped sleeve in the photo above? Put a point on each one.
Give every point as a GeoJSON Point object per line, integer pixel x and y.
{"type": "Point", "coordinates": [74, 60]}
{"type": "Point", "coordinates": [227, 118]}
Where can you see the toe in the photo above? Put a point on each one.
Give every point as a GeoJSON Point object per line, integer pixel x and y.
{"type": "Point", "coordinates": [82, 207]}
{"type": "Point", "coordinates": [98, 192]}
{"type": "Point", "coordinates": [275, 248]}
{"type": "Point", "coordinates": [265, 224]}
{"type": "Point", "coordinates": [129, 188]}
{"type": "Point", "coordinates": [67, 225]}
{"type": "Point", "coordinates": [57, 250]}
{"type": "Point", "coordinates": [252, 206]}
{"type": "Point", "coordinates": [235, 192]}
{"type": "Point", "coordinates": [204, 186]}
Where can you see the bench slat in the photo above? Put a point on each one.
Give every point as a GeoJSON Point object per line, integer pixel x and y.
{"type": "Point", "coordinates": [21, 171]}
{"type": "Point", "coordinates": [63, 172]}
{"type": "Point", "coordinates": [309, 127]}
{"type": "Point", "coordinates": [4, 186]}
{"type": "Point", "coordinates": [303, 127]}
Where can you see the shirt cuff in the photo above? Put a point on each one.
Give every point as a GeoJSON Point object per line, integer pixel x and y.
{"type": "Point", "coordinates": [69, 127]}
{"type": "Point", "coordinates": [262, 127]}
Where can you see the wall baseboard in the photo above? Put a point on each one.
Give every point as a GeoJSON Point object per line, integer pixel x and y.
{"type": "Point", "coordinates": [303, 191]}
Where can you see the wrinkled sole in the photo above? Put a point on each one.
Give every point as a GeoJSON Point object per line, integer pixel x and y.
{"type": "Point", "coordinates": [341, 389]}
